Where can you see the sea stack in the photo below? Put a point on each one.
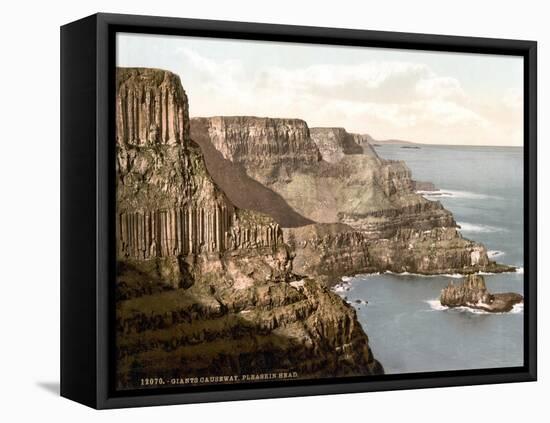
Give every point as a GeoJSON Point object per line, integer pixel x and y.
{"type": "Point", "coordinates": [473, 293]}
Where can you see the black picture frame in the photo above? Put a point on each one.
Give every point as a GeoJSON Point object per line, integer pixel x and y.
{"type": "Point", "coordinates": [87, 207]}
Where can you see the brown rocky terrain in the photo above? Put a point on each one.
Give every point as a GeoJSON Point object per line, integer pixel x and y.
{"type": "Point", "coordinates": [205, 287]}
{"type": "Point", "coordinates": [473, 293]}
{"type": "Point", "coordinates": [329, 251]}
{"type": "Point", "coordinates": [367, 216]}
{"type": "Point", "coordinates": [244, 191]}
{"type": "Point", "coordinates": [335, 143]}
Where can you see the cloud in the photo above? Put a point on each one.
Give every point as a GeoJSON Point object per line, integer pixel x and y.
{"type": "Point", "coordinates": [383, 82]}
{"type": "Point", "coordinates": [513, 99]}
{"type": "Point", "coordinates": [439, 87]}
{"type": "Point", "coordinates": [389, 99]}
{"type": "Point", "coordinates": [221, 76]}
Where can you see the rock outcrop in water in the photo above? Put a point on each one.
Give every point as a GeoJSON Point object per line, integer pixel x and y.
{"type": "Point", "coordinates": [473, 293]}
{"type": "Point", "coordinates": [365, 213]}
{"type": "Point", "coordinates": [204, 287]}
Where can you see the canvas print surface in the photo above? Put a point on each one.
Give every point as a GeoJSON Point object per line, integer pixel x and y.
{"type": "Point", "coordinates": [291, 211]}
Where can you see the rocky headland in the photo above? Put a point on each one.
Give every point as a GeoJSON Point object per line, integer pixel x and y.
{"type": "Point", "coordinates": [363, 212]}
{"type": "Point", "coordinates": [473, 293]}
{"type": "Point", "coordinates": [206, 286]}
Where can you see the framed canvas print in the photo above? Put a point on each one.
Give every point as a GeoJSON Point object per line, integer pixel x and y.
{"type": "Point", "coordinates": [255, 211]}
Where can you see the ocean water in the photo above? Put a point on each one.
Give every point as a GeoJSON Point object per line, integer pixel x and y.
{"type": "Point", "coordinates": [409, 330]}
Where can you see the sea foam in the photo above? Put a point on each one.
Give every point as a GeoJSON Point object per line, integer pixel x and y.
{"type": "Point", "coordinates": [474, 227]}
{"type": "Point", "coordinates": [436, 305]}
{"type": "Point", "coordinates": [448, 193]}
{"type": "Point", "coordinates": [442, 275]}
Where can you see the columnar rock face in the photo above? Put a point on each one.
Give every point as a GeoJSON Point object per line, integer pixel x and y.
{"type": "Point", "coordinates": [151, 108]}
{"type": "Point", "coordinates": [257, 142]}
{"type": "Point", "coordinates": [473, 293]}
{"type": "Point", "coordinates": [188, 230]}
{"type": "Point", "coordinates": [167, 203]}
{"type": "Point", "coordinates": [204, 287]}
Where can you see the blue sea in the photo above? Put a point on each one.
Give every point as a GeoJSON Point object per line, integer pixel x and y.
{"type": "Point", "coordinates": [409, 330]}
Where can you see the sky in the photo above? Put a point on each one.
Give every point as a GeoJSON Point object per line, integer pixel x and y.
{"type": "Point", "coordinates": [412, 95]}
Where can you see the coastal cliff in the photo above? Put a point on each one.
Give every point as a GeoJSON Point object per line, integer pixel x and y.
{"type": "Point", "coordinates": [203, 286]}
{"type": "Point", "coordinates": [268, 148]}
{"type": "Point", "coordinates": [329, 251]}
{"type": "Point", "coordinates": [360, 189]}
{"type": "Point", "coordinates": [365, 213]}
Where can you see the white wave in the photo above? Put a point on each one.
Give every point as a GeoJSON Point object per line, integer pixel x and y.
{"type": "Point", "coordinates": [495, 253]}
{"type": "Point", "coordinates": [473, 227]}
{"type": "Point", "coordinates": [347, 281]}
{"type": "Point", "coordinates": [444, 275]}
{"type": "Point", "coordinates": [436, 306]}
{"type": "Point", "coordinates": [473, 310]}
{"type": "Point", "coordinates": [339, 288]}
{"type": "Point", "coordinates": [517, 308]}
{"type": "Point", "coordinates": [486, 273]}
{"type": "Point", "coordinates": [420, 275]}
{"type": "Point", "coordinates": [343, 286]}
{"type": "Point", "coordinates": [434, 195]}
{"type": "Point", "coordinates": [448, 193]}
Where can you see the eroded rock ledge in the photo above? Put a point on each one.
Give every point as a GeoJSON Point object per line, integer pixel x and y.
{"type": "Point", "coordinates": [330, 251]}
{"type": "Point", "coordinates": [473, 293]}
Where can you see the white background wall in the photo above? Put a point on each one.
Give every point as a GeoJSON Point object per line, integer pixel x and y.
{"type": "Point", "coordinates": [29, 235]}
